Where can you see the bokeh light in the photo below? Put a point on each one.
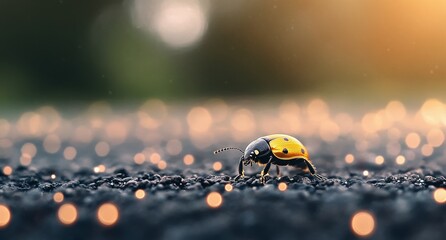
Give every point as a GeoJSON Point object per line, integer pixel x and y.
{"type": "Point", "coordinates": [282, 186]}
{"type": "Point", "coordinates": [365, 173]}
{"type": "Point", "coordinates": [379, 160]}
{"type": "Point", "coordinates": [349, 158]}
{"type": "Point", "coordinates": [140, 194]}
{"type": "Point", "coordinates": [139, 158]}
{"type": "Point", "coordinates": [70, 153]}
{"type": "Point", "coordinates": [214, 200]}
{"type": "Point", "coordinates": [199, 119]}
{"type": "Point", "coordinates": [400, 160]}
{"type": "Point", "coordinates": [228, 187]}
{"type": "Point", "coordinates": [188, 159]}
{"type": "Point", "coordinates": [178, 23]}
{"type": "Point", "coordinates": [7, 170]}
{"type": "Point", "coordinates": [363, 224]}
{"type": "Point", "coordinates": [67, 214]}
{"type": "Point", "coordinates": [29, 149]}
{"type": "Point", "coordinates": [413, 140]}
{"type": "Point", "coordinates": [439, 195]}
{"type": "Point", "coordinates": [52, 143]}
{"type": "Point", "coordinates": [108, 214]}
{"type": "Point", "coordinates": [100, 168]}
{"type": "Point", "coordinates": [102, 149]}
{"type": "Point", "coordinates": [217, 166]}
{"type": "Point", "coordinates": [5, 216]}
{"type": "Point", "coordinates": [162, 165]}
{"type": "Point", "coordinates": [58, 197]}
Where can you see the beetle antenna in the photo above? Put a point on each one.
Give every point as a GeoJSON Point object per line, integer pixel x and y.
{"type": "Point", "coordinates": [226, 149]}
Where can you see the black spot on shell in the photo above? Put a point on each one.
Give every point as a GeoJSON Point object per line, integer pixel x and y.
{"type": "Point", "coordinates": [286, 139]}
{"type": "Point", "coordinates": [302, 151]}
{"type": "Point", "coordinates": [285, 150]}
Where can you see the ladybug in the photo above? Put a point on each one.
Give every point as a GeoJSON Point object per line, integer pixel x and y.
{"type": "Point", "coordinates": [277, 149]}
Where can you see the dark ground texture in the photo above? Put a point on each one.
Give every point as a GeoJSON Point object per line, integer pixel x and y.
{"type": "Point", "coordinates": [175, 207]}
{"type": "Point", "coordinates": [400, 197]}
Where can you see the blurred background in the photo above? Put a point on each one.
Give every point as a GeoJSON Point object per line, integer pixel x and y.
{"type": "Point", "coordinates": [59, 51]}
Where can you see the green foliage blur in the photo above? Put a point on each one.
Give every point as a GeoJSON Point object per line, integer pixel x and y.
{"type": "Point", "coordinates": [68, 51]}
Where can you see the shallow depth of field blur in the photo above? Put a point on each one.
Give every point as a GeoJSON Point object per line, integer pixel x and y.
{"type": "Point", "coordinates": [162, 71]}
{"type": "Point", "coordinates": [158, 85]}
{"type": "Point", "coordinates": [104, 73]}
{"type": "Point", "coordinates": [62, 52]}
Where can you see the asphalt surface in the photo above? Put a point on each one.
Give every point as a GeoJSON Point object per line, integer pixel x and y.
{"type": "Point", "coordinates": [399, 197]}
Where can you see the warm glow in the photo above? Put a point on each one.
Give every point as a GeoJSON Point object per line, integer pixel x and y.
{"type": "Point", "coordinates": [53, 176]}
{"type": "Point", "coordinates": [139, 158]}
{"type": "Point", "coordinates": [432, 111]}
{"type": "Point", "coordinates": [349, 158]}
{"type": "Point", "coordinates": [25, 159]}
{"type": "Point", "coordinates": [67, 214]}
{"type": "Point", "coordinates": [413, 140]}
{"type": "Point", "coordinates": [371, 122]}
{"type": "Point", "coordinates": [228, 187]}
{"type": "Point", "coordinates": [140, 194]}
{"type": "Point", "coordinates": [178, 23]}
{"type": "Point", "coordinates": [29, 149]}
{"type": "Point", "coordinates": [329, 131]}
{"type": "Point", "coordinates": [108, 214]}
{"type": "Point", "coordinates": [188, 159]}
{"type": "Point", "coordinates": [162, 165]}
{"type": "Point", "coordinates": [217, 166]}
{"type": "Point", "coordinates": [282, 187]}
{"type": "Point", "coordinates": [393, 148]}
{"type": "Point", "coordinates": [7, 170]}
{"type": "Point", "coordinates": [102, 149]}
{"type": "Point", "coordinates": [400, 160]}
{"type": "Point", "coordinates": [5, 216]}
{"type": "Point", "coordinates": [365, 173]}
{"type": "Point", "coordinates": [363, 224]}
{"type": "Point", "coordinates": [243, 121]}
{"type": "Point", "coordinates": [174, 147]}
{"type": "Point", "coordinates": [427, 150]}
{"type": "Point", "coordinates": [435, 137]}
{"type": "Point", "coordinates": [214, 199]}
{"type": "Point", "coordinates": [440, 195]}
{"type": "Point", "coordinates": [99, 169]}
{"type": "Point", "coordinates": [395, 111]}
{"type": "Point", "coordinates": [116, 131]}
{"type": "Point", "coordinates": [153, 111]}
{"type": "Point", "coordinates": [69, 153]}
{"type": "Point", "coordinates": [51, 143]}
{"type": "Point", "coordinates": [199, 119]}
{"type": "Point", "coordinates": [83, 134]}
{"type": "Point", "coordinates": [379, 160]}
{"type": "Point", "coordinates": [317, 110]}
{"type": "Point", "coordinates": [155, 158]}
{"type": "Point", "coordinates": [58, 197]}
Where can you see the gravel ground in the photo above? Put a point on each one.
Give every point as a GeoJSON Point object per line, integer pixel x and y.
{"type": "Point", "coordinates": [175, 206]}
{"type": "Point", "coordinates": [399, 196]}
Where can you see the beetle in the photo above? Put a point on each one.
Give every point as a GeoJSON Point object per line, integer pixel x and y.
{"type": "Point", "coordinates": [277, 149]}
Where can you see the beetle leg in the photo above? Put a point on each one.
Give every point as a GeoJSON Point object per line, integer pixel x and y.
{"type": "Point", "coordinates": [312, 170]}
{"type": "Point", "coordinates": [320, 177]}
{"type": "Point", "coordinates": [278, 171]}
{"type": "Point", "coordinates": [241, 172]}
{"type": "Point", "coordinates": [311, 167]}
{"type": "Point", "coordinates": [265, 171]}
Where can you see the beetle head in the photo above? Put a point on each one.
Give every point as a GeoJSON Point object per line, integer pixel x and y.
{"type": "Point", "coordinates": [257, 149]}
